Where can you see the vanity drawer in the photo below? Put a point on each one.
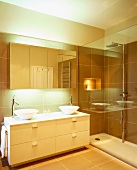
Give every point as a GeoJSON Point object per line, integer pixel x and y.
{"type": "Point", "coordinates": [32, 131]}
{"type": "Point", "coordinates": [31, 150]}
{"type": "Point", "coordinates": [70, 141]}
{"type": "Point", "coordinates": [81, 139]}
{"type": "Point", "coordinates": [63, 142]}
{"type": "Point", "coordinates": [70, 125]}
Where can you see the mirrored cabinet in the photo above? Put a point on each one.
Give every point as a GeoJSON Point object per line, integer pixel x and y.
{"type": "Point", "coordinates": [67, 69]}
{"type": "Point", "coordinates": [38, 67]}
{"type": "Point", "coordinates": [35, 67]}
{"type": "Point", "coordinates": [19, 66]}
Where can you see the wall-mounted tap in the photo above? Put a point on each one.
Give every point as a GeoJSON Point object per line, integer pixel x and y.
{"type": "Point", "coordinates": [124, 95]}
{"type": "Point", "coordinates": [91, 99]}
{"type": "Point", "coordinates": [70, 100]}
{"type": "Point", "coordinates": [13, 102]}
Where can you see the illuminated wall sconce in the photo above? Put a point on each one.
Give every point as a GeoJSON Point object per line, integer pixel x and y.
{"type": "Point", "coordinates": [92, 84]}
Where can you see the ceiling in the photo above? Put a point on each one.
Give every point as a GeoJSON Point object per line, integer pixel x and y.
{"type": "Point", "coordinates": [98, 13]}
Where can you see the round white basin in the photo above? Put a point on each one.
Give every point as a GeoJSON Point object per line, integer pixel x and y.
{"type": "Point", "coordinates": [125, 103]}
{"type": "Point", "coordinates": [100, 106]}
{"type": "Point", "coordinates": [69, 109]}
{"type": "Point", "coordinates": [26, 113]}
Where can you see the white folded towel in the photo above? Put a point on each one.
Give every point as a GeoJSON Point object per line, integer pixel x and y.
{"type": "Point", "coordinates": [4, 141]}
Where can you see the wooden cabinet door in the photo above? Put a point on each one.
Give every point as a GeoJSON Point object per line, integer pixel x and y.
{"type": "Point", "coordinates": [31, 150]}
{"type": "Point", "coordinates": [80, 123]}
{"type": "Point", "coordinates": [32, 131]}
{"type": "Point", "coordinates": [43, 148]}
{"type": "Point", "coordinates": [71, 125]}
{"type": "Point", "coordinates": [72, 140]}
{"type": "Point", "coordinates": [63, 142]}
{"type": "Point", "coordinates": [19, 66]}
{"type": "Point", "coordinates": [80, 139]}
{"type": "Point", "coordinates": [21, 133]}
{"type": "Point", "coordinates": [20, 153]}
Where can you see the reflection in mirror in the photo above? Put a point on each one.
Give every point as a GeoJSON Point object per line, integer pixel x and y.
{"type": "Point", "coordinates": [67, 69]}
{"type": "Point", "coordinates": [39, 67]}
{"type": "Point", "coordinates": [53, 65]}
{"type": "Point", "coordinates": [52, 68]}
{"type": "Point", "coordinates": [38, 64]}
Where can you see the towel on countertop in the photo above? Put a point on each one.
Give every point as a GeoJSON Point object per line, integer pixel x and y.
{"type": "Point", "coordinates": [4, 141]}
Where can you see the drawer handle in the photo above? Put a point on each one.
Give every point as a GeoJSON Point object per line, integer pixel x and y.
{"type": "Point", "coordinates": [34, 126]}
{"type": "Point", "coordinates": [74, 120]}
{"type": "Point", "coordinates": [34, 144]}
{"type": "Point", "coordinates": [74, 135]}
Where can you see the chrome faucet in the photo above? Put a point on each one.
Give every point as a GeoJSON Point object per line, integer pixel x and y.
{"type": "Point", "coordinates": [13, 102]}
{"type": "Point", "coordinates": [70, 100]}
{"type": "Point", "coordinates": [124, 95]}
{"type": "Point", "coordinates": [90, 99]}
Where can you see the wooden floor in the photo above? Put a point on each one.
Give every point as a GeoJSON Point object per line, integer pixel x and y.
{"type": "Point", "coordinates": [89, 158]}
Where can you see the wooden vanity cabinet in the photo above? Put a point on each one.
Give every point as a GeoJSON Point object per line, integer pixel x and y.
{"type": "Point", "coordinates": [30, 141]}
{"type": "Point", "coordinates": [72, 133]}
{"type": "Point", "coordinates": [35, 140]}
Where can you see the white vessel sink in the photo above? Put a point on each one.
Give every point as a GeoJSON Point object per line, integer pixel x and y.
{"type": "Point", "coordinates": [69, 109]}
{"type": "Point", "coordinates": [26, 113]}
{"type": "Point", "coordinates": [125, 103]}
{"type": "Point", "coordinates": [100, 106]}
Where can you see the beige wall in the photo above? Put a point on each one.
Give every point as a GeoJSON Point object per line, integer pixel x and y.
{"type": "Point", "coordinates": [17, 20]}
{"type": "Point", "coordinates": [121, 26]}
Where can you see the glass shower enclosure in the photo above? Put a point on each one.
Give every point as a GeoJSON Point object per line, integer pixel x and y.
{"type": "Point", "coordinates": [113, 59]}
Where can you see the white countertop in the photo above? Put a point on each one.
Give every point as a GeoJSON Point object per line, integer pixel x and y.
{"type": "Point", "coordinates": [42, 117]}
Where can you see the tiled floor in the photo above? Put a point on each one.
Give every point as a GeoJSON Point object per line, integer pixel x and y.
{"type": "Point", "coordinates": [89, 158]}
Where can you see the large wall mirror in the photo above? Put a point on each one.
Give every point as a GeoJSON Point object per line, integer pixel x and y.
{"type": "Point", "coordinates": [52, 68]}
{"type": "Point", "coordinates": [40, 64]}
